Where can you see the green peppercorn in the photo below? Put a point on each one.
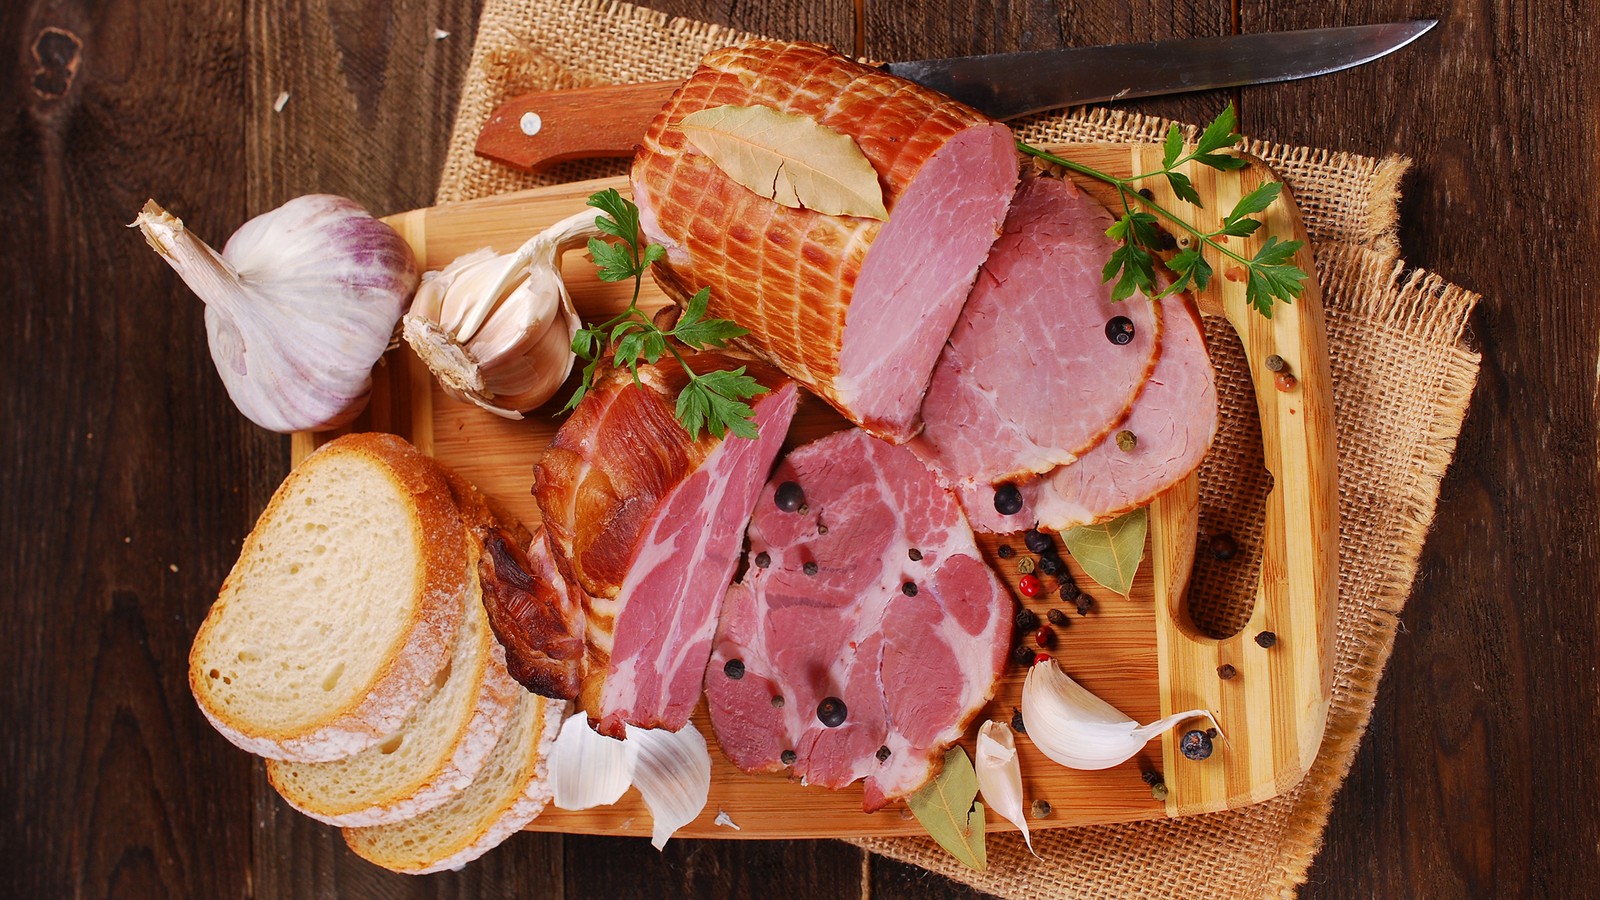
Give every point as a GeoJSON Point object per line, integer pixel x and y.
{"type": "Point", "coordinates": [1159, 791]}
{"type": "Point", "coordinates": [1041, 809]}
{"type": "Point", "coordinates": [1025, 565]}
{"type": "Point", "coordinates": [1126, 441]}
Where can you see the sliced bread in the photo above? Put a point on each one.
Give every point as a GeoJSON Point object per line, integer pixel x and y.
{"type": "Point", "coordinates": [434, 755]}
{"type": "Point", "coordinates": [509, 792]}
{"type": "Point", "coordinates": [343, 607]}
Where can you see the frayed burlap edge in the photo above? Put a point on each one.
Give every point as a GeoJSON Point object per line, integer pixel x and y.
{"type": "Point", "coordinates": [1350, 207]}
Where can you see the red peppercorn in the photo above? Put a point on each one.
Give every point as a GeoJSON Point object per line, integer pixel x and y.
{"type": "Point", "coordinates": [1284, 381]}
{"type": "Point", "coordinates": [1041, 658]}
{"type": "Point", "coordinates": [1029, 586]}
{"type": "Point", "coordinates": [1045, 637]}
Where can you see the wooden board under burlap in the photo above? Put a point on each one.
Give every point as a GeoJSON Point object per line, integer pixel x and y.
{"type": "Point", "coordinates": [1402, 379]}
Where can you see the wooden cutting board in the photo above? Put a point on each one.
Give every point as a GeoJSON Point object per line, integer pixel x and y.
{"type": "Point", "coordinates": [1140, 653]}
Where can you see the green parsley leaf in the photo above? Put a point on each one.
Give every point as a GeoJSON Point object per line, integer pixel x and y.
{"type": "Point", "coordinates": [1137, 268]}
{"type": "Point", "coordinates": [713, 401]}
{"type": "Point", "coordinates": [1219, 134]}
{"type": "Point", "coordinates": [1191, 268]}
{"type": "Point", "coordinates": [621, 219]}
{"type": "Point", "coordinates": [1182, 187]}
{"type": "Point", "coordinates": [1256, 201]}
{"type": "Point", "coordinates": [583, 343]}
{"type": "Point", "coordinates": [615, 261]}
{"type": "Point", "coordinates": [1173, 146]}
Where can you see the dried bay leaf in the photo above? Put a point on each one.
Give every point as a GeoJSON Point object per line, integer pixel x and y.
{"type": "Point", "coordinates": [947, 808]}
{"type": "Point", "coordinates": [1111, 551]}
{"type": "Point", "coordinates": [790, 159]}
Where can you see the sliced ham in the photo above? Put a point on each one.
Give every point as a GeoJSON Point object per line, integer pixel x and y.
{"type": "Point", "coordinates": [855, 309]}
{"type": "Point", "coordinates": [873, 593]}
{"type": "Point", "coordinates": [533, 614]}
{"type": "Point", "coordinates": [1172, 422]}
{"type": "Point", "coordinates": [646, 527]}
{"type": "Point", "coordinates": [1030, 379]}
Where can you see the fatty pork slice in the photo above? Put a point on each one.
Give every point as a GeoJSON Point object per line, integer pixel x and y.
{"type": "Point", "coordinates": [646, 525]}
{"type": "Point", "coordinates": [1033, 376]}
{"type": "Point", "coordinates": [1173, 423]}
{"type": "Point", "coordinates": [534, 616]}
{"type": "Point", "coordinates": [873, 593]}
{"type": "Point", "coordinates": [855, 309]}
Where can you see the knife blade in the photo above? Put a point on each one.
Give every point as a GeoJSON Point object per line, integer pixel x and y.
{"type": "Point", "coordinates": [550, 126]}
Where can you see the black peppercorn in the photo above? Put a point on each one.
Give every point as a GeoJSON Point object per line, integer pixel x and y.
{"type": "Point", "coordinates": [1038, 542]}
{"type": "Point", "coordinates": [734, 669]}
{"type": "Point", "coordinates": [821, 528]}
{"type": "Point", "coordinates": [763, 560]}
{"type": "Point", "coordinates": [1119, 330]}
{"type": "Point", "coordinates": [1069, 588]}
{"type": "Point", "coordinates": [1212, 733]}
{"type": "Point", "coordinates": [909, 589]}
{"type": "Point", "coordinates": [810, 567]}
{"type": "Point", "coordinates": [1150, 777]}
{"type": "Point", "coordinates": [1275, 363]}
{"type": "Point", "coordinates": [1007, 500]}
{"type": "Point", "coordinates": [1016, 721]}
{"type": "Point", "coordinates": [831, 712]}
{"type": "Point", "coordinates": [915, 554]}
{"type": "Point", "coordinates": [1004, 551]}
{"type": "Point", "coordinates": [1085, 603]}
{"type": "Point", "coordinates": [777, 702]}
{"type": "Point", "coordinates": [1226, 671]}
{"type": "Point", "coordinates": [789, 497]}
{"type": "Point", "coordinates": [1165, 240]}
{"type": "Point", "coordinates": [1266, 639]}
{"type": "Point", "coordinates": [1223, 546]}
{"type": "Point", "coordinates": [1022, 655]}
{"type": "Point", "coordinates": [1026, 620]}
{"type": "Point", "coordinates": [1147, 193]}
{"type": "Point", "coordinates": [787, 757]}
{"type": "Point", "coordinates": [883, 754]}
{"type": "Point", "coordinates": [1049, 565]}
{"type": "Point", "coordinates": [1195, 745]}
{"type": "Point", "coordinates": [1058, 618]}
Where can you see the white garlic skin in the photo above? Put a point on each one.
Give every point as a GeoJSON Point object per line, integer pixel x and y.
{"type": "Point", "coordinates": [300, 304]}
{"type": "Point", "coordinates": [1000, 776]}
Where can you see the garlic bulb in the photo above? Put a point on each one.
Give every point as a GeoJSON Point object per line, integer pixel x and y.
{"type": "Point", "coordinates": [672, 771]}
{"type": "Point", "coordinates": [300, 304]}
{"type": "Point", "coordinates": [1000, 775]}
{"type": "Point", "coordinates": [497, 330]}
{"type": "Point", "coordinates": [1079, 730]}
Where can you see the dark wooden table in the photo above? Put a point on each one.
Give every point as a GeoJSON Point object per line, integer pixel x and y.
{"type": "Point", "coordinates": [128, 480]}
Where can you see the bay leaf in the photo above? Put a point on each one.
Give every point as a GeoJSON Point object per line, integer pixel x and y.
{"type": "Point", "coordinates": [791, 159]}
{"type": "Point", "coordinates": [1110, 552]}
{"type": "Point", "coordinates": [947, 807]}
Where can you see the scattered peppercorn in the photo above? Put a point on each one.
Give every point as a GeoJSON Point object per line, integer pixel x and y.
{"type": "Point", "coordinates": [821, 528]}
{"type": "Point", "coordinates": [1069, 588]}
{"type": "Point", "coordinates": [1147, 193]}
{"type": "Point", "coordinates": [1045, 638]}
{"type": "Point", "coordinates": [1007, 500]}
{"type": "Point", "coordinates": [1017, 724]}
{"type": "Point", "coordinates": [1266, 639]}
{"type": "Point", "coordinates": [1226, 671]}
{"type": "Point", "coordinates": [777, 702]}
{"type": "Point", "coordinates": [1004, 551]}
{"type": "Point", "coordinates": [1038, 542]}
{"type": "Point", "coordinates": [915, 554]}
{"type": "Point", "coordinates": [1026, 565]}
{"type": "Point", "coordinates": [1127, 441]}
{"type": "Point", "coordinates": [1085, 603]}
{"type": "Point", "coordinates": [831, 712]}
{"type": "Point", "coordinates": [734, 669]}
{"type": "Point", "coordinates": [1285, 382]}
{"type": "Point", "coordinates": [1275, 363]}
{"type": "Point", "coordinates": [1041, 809]}
{"type": "Point", "coordinates": [1049, 565]}
{"type": "Point", "coordinates": [1212, 733]}
{"type": "Point", "coordinates": [883, 754]}
{"type": "Point", "coordinates": [787, 757]}
{"type": "Point", "coordinates": [1041, 658]}
{"type": "Point", "coordinates": [789, 497]}
{"type": "Point", "coordinates": [1195, 745]}
{"type": "Point", "coordinates": [1029, 585]}
{"type": "Point", "coordinates": [1159, 790]}
{"type": "Point", "coordinates": [810, 568]}
{"type": "Point", "coordinates": [1022, 655]}
{"type": "Point", "coordinates": [1026, 620]}
{"type": "Point", "coordinates": [1150, 776]}
{"type": "Point", "coordinates": [1165, 240]}
{"type": "Point", "coordinates": [1058, 618]}
{"type": "Point", "coordinates": [1119, 330]}
{"type": "Point", "coordinates": [909, 589]}
{"type": "Point", "coordinates": [1223, 546]}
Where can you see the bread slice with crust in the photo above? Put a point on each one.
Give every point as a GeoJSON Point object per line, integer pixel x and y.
{"type": "Point", "coordinates": [435, 754]}
{"type": "Point", "coordinates": [509, 792]}
{"type": "Point", "coordinates": [343, 607]}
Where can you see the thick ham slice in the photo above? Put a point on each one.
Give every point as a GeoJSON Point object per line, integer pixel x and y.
{"type": "Point", "coordinates": [533, 614]}
{"type": "Point", "coordinates": [1030, 379]}
{"type": "Point", "coordinates": [855, 309]}
{"type": "Point", "coordinates": [899, 618]}
{"type": "Point", "coordinates": [646, 526]}
{"type": "Point", "coordinates": [1172, 422]}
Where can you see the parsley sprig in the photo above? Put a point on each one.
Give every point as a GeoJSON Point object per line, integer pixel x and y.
{"type": "Point", "coordinates": [710, 401]}
{"type": "Point", "coordinates": [1271, 273]}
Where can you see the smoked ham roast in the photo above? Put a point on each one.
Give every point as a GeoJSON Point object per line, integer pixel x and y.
{"type": "Point", "coordinates": [866, 633]}
{"type": "Point", "coordinates": [855, 309]}
{"type": "Point", "coordinates": [646, 525]}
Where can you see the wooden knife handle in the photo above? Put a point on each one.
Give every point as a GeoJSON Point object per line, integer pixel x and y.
{"type": "Point", "coordinates": [550, 126]}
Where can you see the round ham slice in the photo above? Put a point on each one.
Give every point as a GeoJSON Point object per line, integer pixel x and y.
{"type": "Point", "coordinates": [872, 593]}
{"type": "Point", "coordinates": [855, 309]}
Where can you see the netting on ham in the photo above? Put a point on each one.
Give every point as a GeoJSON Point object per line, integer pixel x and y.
{"type": "Point", "coordinates": [836, 606]}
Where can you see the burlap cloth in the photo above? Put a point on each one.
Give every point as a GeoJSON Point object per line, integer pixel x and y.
{"type": "Point", "coordinates": [1402, 381]}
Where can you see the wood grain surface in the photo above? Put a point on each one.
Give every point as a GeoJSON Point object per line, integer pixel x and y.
{"type": "Point", "coordinates": [128, 480]}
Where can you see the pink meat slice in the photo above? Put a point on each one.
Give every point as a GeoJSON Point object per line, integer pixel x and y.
{"type": "Point", "coordinates": [913, 665]}
{"type": "Point", "coordinates": [1173, 423]}
{"type": "Point", "coordinates": [1029, 379]}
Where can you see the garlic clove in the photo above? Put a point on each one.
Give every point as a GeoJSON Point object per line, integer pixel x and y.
{"type": "Point", "coordinates": [1077, 729]}
{"type": "Point", "coordinates": [1000, 776]}
{"type": "Point", "coordinates": [588, 769]}
{"type": "Point", "coordinates": [673, 772]}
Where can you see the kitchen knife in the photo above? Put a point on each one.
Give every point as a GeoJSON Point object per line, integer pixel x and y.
{"type": "Point", "coordinates": [550, 126]}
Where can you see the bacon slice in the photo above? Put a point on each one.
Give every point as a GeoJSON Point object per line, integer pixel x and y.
{"type": "Point", "coordinates": [855, 309]}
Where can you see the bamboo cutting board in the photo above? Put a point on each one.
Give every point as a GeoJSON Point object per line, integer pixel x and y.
{"type": "Point", "coordinates": [1140, 653]}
